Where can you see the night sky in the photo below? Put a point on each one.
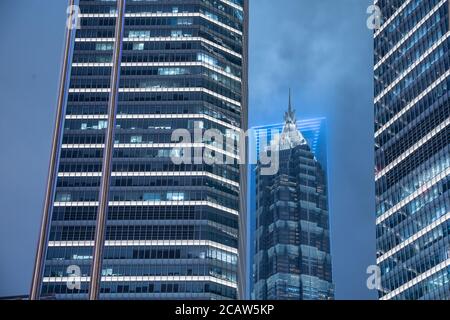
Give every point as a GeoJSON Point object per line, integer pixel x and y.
{"type": "Point", "coordinates": [322, 49]}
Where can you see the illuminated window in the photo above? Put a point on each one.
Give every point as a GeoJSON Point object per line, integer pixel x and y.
{"type": "Point", "coordinates": [136, 139]}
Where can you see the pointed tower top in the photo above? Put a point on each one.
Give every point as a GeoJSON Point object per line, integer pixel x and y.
{"type": "Point", "coordinates": [291, 136]}
{"type": "Point", "coordinates": [289, 117]}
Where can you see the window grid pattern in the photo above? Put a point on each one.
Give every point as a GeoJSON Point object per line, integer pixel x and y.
{"type": "Point", "coordinates": [412, 150]}
{"type": "Point", "coordinates": [207, 52]}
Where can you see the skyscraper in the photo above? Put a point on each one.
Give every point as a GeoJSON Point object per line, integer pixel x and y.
{"type": "Point", "coordinates": [292, 255]}
{"type": "Point", "coordinates": [121, 219]}
{"type": "Point", "coordinates": [412, 137]}
{"type": "Point", "coordinates": [313, 130]}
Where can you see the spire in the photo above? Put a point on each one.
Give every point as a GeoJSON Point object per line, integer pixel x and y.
{"type": "Point", "coordinates": [289, 117]}
{"type": "Point", "coordinates": [290, 100]}
{"type": "Point", "coordinates": [291, 136]}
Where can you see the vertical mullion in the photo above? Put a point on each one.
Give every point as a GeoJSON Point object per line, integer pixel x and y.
{"type": "Point", "coordinates": [53, 167]}
{"type": "Point", "coordinates": [94, 285]}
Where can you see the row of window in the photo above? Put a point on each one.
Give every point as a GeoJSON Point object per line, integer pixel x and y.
{"type": "Point", "coordinates": [156, 109]}
{"type": "Point", "coordinates": [430, 120]}
{"type": "Point", "coordinates": [399, 226]}
{"type": "Point", "coordinates": [409, 255]}
{"type": "Point", "coordinates": [436, 98]}
{"type": "Point", "coordinates": [144, 125]}
{"type": "Point", "coordinates": [386, 74]}
{"type": "Point", "coordinates": [171, 214]}
{"type": "Point", "coordinates": [395, 274]}
{"type": "Point", "coordinates": [226, 171]}
{"type": "Point", "coordinates": [209, 193]}
{"type": "Point", "coordinates": [132, 182]}
{"type": "Point", "coordinates": [142, 253]}
{"type": "Point", "coordinates": [437, 164]}
{"type": "Point", "coordinates": [147, 232]}
{"type": "Point", "coordinates": [396, 100]}
{"type": "Point", "coordinates": [171, 290]}
{"type": "Point", "coordinates": [403, 23]}
{"type": "Point", "coordinates": [433, 288]}
{"type": "Point", "coordinates": [431, 25]}
{"type": "Point", "coordinates": [157, 97]}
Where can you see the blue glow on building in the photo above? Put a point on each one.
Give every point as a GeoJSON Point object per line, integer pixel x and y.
{"type": "Point", "coordinates": [314, 130]}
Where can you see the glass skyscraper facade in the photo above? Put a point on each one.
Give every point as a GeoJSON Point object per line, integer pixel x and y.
{"type": "Point", "coordinates": [121, 219]}
{"type": "Point", "coordinates": [292, 258]}
{"type": "Point", "coordinates": [314, 131]}
{"type": "Point", "coordinates": [412, 147]}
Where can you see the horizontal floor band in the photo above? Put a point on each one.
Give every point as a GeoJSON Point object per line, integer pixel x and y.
{"type": "Point", "coordinates": [150, 174]}
{"type": "Point", "coordinates": [146, 243]}
{"type": "Point", "coordinates": [155, 116]}
{"type": "Point", "coordinates": [142, 279]}
{"type": "Point", "coordinates": [153, 146]}
{"type": "Point", "coordinates": [148, 204]}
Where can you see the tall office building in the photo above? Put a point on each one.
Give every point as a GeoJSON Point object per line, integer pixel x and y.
{"type": "Point", "coordinates": [121, 219]}
{"type": "Point", "coordinates": [412, 147]}
{"type": "Point", "coordinates": [292, 255]}
{"type": "Point", "coordinates": [314, 131]}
